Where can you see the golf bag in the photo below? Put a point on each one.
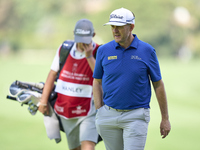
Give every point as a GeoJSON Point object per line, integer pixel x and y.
{"type": "Point", "coordinates": [30, 94]}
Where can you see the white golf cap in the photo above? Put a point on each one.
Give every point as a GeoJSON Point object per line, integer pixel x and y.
{"type": "Point", "coordinates": [83, 31]}
{"type": "Point", "coordinates": [121, 17]}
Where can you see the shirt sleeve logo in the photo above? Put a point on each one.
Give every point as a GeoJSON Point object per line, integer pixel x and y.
{"type": "Point", "coordinates": [112, 57]}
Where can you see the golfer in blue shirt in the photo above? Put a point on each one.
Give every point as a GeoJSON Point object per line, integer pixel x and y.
{"type": "Point", "coordinates": [122, 91]}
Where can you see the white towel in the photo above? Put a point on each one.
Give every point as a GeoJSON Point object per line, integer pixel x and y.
{"type": "Point", "coordinates": [52, 126]}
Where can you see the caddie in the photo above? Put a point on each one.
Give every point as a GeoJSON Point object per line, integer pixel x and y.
{"type": "Point", "coordinates": [74, 103]}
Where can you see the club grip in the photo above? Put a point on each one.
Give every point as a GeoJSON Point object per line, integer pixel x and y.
{"type": "Point", "coordinates": [11, 97]}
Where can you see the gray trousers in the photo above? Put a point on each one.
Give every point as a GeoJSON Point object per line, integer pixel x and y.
{"type": "Point", "coordinates": [78, 130]}
{"type": "Point", "coordinates": [123, 130]}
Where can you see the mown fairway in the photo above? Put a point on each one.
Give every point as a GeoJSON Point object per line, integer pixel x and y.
{"type": "Point", "coordinates": [21, 131]}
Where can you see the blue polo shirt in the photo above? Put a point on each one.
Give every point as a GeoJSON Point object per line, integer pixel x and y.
{"type": "Point", "coordinates": [126, 73]}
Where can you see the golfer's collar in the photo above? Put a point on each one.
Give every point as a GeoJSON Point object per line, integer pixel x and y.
{"type": "Point", "coordinates": [134, 43]}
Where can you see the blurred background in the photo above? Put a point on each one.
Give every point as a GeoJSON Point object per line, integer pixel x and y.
{"type": "Point", "coordinates": [32, 30]}
{"type": "Point", "coordinates": [172, 27]}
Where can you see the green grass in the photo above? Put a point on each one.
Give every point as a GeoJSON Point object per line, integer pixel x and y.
{"type": "Point", "coordinates": [19, 130]}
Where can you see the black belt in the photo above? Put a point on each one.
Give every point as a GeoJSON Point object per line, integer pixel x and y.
{"type": "Point", "coordinates": [119, 110]}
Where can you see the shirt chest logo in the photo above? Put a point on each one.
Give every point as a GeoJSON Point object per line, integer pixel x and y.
{"type": "Point", "coordinates": [135, 57]}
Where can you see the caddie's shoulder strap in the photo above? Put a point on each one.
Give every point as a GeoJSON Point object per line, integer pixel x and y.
{"type": "Point", "coordinates": [63, 54]}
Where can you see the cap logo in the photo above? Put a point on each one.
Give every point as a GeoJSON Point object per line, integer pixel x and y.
{"type": "Point", "coordinates": [81, 31]}
{"type": "Point", "coordinates": [116, 16]}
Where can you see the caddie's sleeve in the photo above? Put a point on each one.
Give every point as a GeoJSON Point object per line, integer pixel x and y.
{"type": "Point", "coordinates": [154, 68]}
{"type": "Point", "coordinates": [55, 64]}
{"type": "Point", "coordinates": [98, 69]}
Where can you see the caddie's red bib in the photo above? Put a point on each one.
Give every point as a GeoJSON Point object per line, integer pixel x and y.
{"type": "Point", "coordinates": [74, 88]}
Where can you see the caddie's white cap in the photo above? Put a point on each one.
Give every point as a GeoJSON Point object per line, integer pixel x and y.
{"type": "Point", "coordinates": [83, 31]}
{"type": "Point", "coordinates": [121, 17]}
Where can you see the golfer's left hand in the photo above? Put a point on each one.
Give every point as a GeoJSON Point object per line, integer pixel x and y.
{"type": "Point", "coordinates": [165, 128]}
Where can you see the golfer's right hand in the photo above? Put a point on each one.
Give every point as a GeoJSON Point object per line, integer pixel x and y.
{"type": "Point", "coordinates": [44, 109]}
